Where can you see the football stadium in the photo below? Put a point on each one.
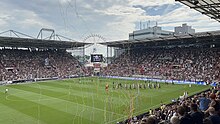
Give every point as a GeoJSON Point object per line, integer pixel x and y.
{"type": "Point", "coordinates": [155, 76]}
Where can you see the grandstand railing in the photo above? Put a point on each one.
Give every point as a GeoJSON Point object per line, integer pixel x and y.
{"type": "Point", "coordinates": [158, 80]}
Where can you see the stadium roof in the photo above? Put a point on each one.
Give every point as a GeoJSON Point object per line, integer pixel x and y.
{"type": "Point", "coordinates": [38, 43]}
{"type": "Point", "coordinates": [210, 8]}
{"type": "Point", "coordinates": [27, 41]}
{"type": "Point", "coordinates": [193, 39]}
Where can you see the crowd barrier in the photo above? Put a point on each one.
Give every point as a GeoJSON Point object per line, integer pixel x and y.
{"type": "Point", "coordinates": [39, 79]}
{"type": "Point", "coordinates": [158, 80]}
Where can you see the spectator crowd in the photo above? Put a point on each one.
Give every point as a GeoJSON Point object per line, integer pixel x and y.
{"type": "Point", "coordinates": [189, 64]}
{"type": "Point", "coordinates": [20, 64]}
{"type": "Point", "coordinates": [202, 108]}
{"type": "Point", "coordinates": [182, 63]}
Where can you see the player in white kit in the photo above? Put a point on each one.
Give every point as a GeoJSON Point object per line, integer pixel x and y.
{"type": "Point", "coordinates": [6, 90]}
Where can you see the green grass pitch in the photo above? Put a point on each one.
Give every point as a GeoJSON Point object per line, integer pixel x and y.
{"type": "Point", "coordinates": [81, 101]}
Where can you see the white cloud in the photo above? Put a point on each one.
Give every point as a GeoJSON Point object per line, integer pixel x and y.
{"type": "Point", "coordinates": [65, 1]}
{"type": "Point", "coordinates": [31, 20]}
{"type": "Point", "coordinates": [192, 17]}
{"type": "Point", "coordinates": [124, 20]}
{"type": "Point", "coordinates": [120, 10]}
{"type": "Point", "coordinates": [113, 19]}
{"type": "Point", "coordinates": [151, 2]}
{"type": "Point", "coordinates": [4, 19]}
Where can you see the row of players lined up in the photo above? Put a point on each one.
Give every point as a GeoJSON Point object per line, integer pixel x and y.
{"type": "Point", "coordinates": [136, 85]}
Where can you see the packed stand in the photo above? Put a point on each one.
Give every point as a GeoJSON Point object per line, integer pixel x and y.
{"type": "Point", "coordinates": [190, 64]}
{"type": "Point", "coordinates": [203, 108]}
{"type": "Point", "coordinates": [20, 64]}
{"type": "Point", "coordinates": [126, 64]}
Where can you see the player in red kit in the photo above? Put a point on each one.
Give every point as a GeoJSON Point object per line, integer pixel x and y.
{"type": "Point", "coordinates": [106, 87]}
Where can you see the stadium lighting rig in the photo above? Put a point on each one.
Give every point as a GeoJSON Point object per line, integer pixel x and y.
{"type": "Point", "coordinates": [209, 8]}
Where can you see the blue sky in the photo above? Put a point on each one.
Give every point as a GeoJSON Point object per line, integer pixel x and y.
{"type": "Point", "coordinates": [112, 19]}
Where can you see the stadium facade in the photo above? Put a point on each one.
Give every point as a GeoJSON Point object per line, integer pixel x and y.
{"type": "Point", "coordinates": [149, 32]}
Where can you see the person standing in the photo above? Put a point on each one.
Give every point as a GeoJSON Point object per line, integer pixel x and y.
{"type": "Point", "coordinates": [213, 116]}
{"type": "Point", "coordinates": [6, 90]}
{"type": "Point", "coordinates": [197, 116]}
{"type": "Point", "coordinates": [184, 119]}
{"type": "Point", "coordinates": [204, 102]}
{"type": "Point", "coordinates": [106, 87]}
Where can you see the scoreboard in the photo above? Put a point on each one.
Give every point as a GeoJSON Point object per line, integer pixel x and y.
{"type": "Point", "coordinates": [96, 58]}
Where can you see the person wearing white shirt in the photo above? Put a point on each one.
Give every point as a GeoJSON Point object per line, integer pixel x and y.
{"type": "Point", "coordinates": [6, 90]}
